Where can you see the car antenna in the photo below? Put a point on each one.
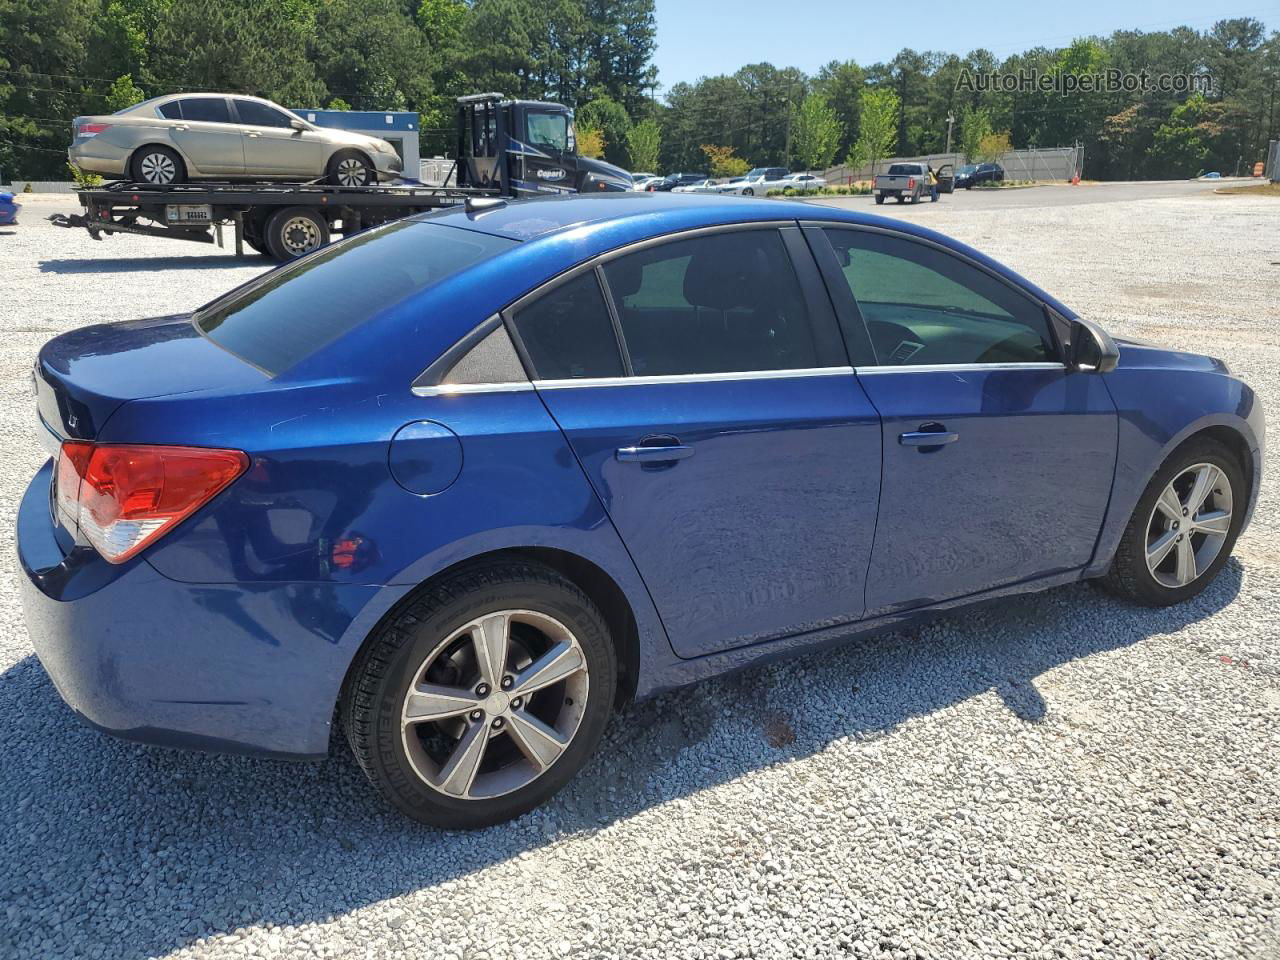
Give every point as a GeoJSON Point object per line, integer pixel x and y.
{"type": "Point", "coordinates": [478, 204]}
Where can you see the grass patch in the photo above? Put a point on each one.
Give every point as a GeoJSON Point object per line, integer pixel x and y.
{"type": "Point", "coordinates": [1253, 190]}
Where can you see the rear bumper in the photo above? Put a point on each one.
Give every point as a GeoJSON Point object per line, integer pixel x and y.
{"type": "Point", "coordinates": [224, 667]}
{"type": "Point", "coordinates": [94, 156]}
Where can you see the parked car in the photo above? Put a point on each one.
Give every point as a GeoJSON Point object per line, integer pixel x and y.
{"type": "Point", "coordinates": [800, 181]}
{"type": "Point", "coordinates": [759, 181]}
{"type": "Point", "coordinates": [903, 181]}
{"type": "Point", "coordinates": [212, 136]}
{"type": "Point", "coordinates": [670, 182]}
{"type": "Point", "coordinates": [468, 483]}
{"type": "Point", "coordinates": [698, 186]}
{"type": "Point", "coordinates": [9, 210]}
{"type": "Point", "coordinates": [970, 175]}
{"type": "Point", "coordinates": [637, 177]}
{"type": "Point", "coordinates": [643, 184]}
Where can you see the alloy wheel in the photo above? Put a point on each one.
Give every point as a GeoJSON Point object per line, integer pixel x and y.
{"type": "Point", "coordinates": [495, 704]}
{"type": "Point", "coordinates": [1189, 524]}
{"type": "Point", "coordinates": [158, 168]}
{"type": "Point", "coordinates": [351, 172]}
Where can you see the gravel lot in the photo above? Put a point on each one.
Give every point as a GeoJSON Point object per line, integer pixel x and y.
{"type": "Point", "coordinates": [1058, 776]}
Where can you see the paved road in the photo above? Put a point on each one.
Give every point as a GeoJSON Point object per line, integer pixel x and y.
{"type": "Point", "coordinates": [1055, 195]}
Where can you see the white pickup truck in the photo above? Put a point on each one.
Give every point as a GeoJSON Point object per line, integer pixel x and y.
{"type": "Point", "coordinates": [904, 180]}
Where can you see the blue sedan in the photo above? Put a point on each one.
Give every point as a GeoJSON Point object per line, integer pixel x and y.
{"type": "Point", "coordinates": [465, 483]}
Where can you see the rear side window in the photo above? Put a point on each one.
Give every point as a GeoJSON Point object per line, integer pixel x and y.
{"type": "Point", "coordinates": [728, 302]}
{"type": "Point", "coordinates": [299, 308]}
{"type": "Point", "coordinates": [922, 305]}
{"type": "Point", "coordinates": [568, 334]}
{"type": "Point", "coordinates": [207, 109]}
{"type": "Point", "coordinates": [260, 115]}
{"type": "Point", "coordinates": [172, 110]}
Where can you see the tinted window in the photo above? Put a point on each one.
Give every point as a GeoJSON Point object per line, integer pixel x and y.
{"type": "Point", "coordinates": [904, 169]}
{"type": "Point", "coordinates": [172, 110]}
{"type": "Point", "coordinates": [299, 308]}
{"type": "Point", "coordinates": [210, 109]}
{"type": "Point", "coordinates": [568, 333]}
{"type": "Point", "coordinates": [924, 306]}
{"type": "Point", "coordinates": [723, 303]}
{"type": "Point", "coordinates": [260, 115]}
{"type": "Point", "coordinates": [549, 130]}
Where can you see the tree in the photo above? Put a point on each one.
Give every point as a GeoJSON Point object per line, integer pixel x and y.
{"type": "Point", "coordinates": [879, 123]}
{"type": "Point", "coordinates": [370, 53]}
{"type": "Point", "coordinates": [993, 146]}
{"type": "Point", "coordinates": [612, 121]}
{"type": "Point", "coordinates": [123, 94]}
{"type": "Point", "coordinates": [840, 84]}
{"type": "Point", "coordinates": [591, 142]}
{"type": "Point", "coordinates": [722, 162]}
{"type": "Point", "coordinates": [816, 133]}
{"type": "Point", "coordinates": [643, 141]}
{"type": "Point", "coordinates": [975, 124]}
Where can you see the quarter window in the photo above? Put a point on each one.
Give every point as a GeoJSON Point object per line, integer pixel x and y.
{"type": "Point", "coordinates": [728, 302]}
{"type": "Point", "coordinates": [258, 114]}
{"type": "Point", "coordinates": [568, 334]}
{"type": "Point", "coordinates": [171, 110]}
{"type": "Point", "coordinates": [922, 305]}
{"type": "Point", "coordinates": [206, 109]}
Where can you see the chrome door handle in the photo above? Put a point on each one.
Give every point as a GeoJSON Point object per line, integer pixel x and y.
{"type": "Point", "coordinates": [642, 454]}
{"type": "Point", "coordinates": [250, 133]}
{"type": "Point", "coordinates": [927, 438]}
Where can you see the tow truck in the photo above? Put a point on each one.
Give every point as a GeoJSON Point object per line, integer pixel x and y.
{"type": "Point", "coordinates": [506, 149]}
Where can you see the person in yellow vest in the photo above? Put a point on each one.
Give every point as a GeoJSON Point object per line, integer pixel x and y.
{"type": "Point", "coordinates": [933, 185]}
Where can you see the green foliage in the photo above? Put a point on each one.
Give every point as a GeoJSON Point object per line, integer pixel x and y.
{"type": "Point", "coordinates": [815, 133]}
{"type": "Point", "coordinates": [591, 142]}
{"type": "Point", "coordinates": [721, 161]}
{"type": "Point", "coordinates": [975, 125]}
{"type": "Point", "coordinates": [643, 142]}
{"type": "Point", "coordinates": [880, 116]}
{"type": "Point", "coordinates": [992, 147]}
{"type": "Point", "coordinates": [337, 103]}
{"type": "Point", "coordinates": [82, 179]}
{"type": "Point", "coordinates": [611, 120]}
{"type": "Point", "coordinates": [123, 93]}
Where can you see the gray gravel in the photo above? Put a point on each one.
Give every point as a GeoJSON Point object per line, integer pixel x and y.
{"type": "Point", "coordinates": [1056, 776]}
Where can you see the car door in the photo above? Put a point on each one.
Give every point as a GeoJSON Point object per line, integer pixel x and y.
{"type": "Point", "coordinates": [208, 139]}
{"type": "Point", "coordinates": [998, 458]}
{"type": "Point", "coordinates": [272, 147]}
{"type": "Point", "coordinates": [704, 389]}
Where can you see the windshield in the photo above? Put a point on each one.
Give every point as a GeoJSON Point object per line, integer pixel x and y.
{"type": "Point", "coordinates": [301, 307]}
{"type": "Point", "coordinates": [968, 168]}
{"type": "Point", "coordinates": [549, 129]}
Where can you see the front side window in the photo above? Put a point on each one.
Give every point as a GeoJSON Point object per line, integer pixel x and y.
{"type": "Point", "coordinates": [726, 302]}
{"type": "Point", "coordinates": [922, 305]}
{"type": "Point", "coordinates": [257, 114]}
{"type": "Point", "coordinates": [300, 308]}
{"type": "Point", "coordinates": [207, 109]}
{"type": "Point", "coordinates": [549, 130]}
{"type": "Point", "coordinates": [568, 334]}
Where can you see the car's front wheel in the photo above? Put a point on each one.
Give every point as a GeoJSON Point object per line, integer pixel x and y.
{"type": "Point", "coordinates": [483, 696]}
{"type": "Point", "coordinates": [1183, 528]}
{"type": "Point", "coordinates": [351, 170]}
{"type": "Point", "coordinates": [158, 166]}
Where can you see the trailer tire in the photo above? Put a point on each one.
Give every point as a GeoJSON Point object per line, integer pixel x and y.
{"type": "Point", "coordinates": [294, 232]}
{"type": "Point", "coordinates": [157, 165]}
{"type": "Point", "coordinates": [351, 169]}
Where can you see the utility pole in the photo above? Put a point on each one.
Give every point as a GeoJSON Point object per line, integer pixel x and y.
{"type": "Point", "coordinates": [950, 120]}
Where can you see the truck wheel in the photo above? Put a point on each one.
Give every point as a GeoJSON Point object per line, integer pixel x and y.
{"type": "Point", "coordinates": [157, 165]}
{"type": "Point", "coordinates": [900, 198]}
{"type": "Point", "coordinates": [350, 170]}
{"type": "Point", "coordinates": [879, 198]}
{"type": "Point", "coordinates": [294, 232]}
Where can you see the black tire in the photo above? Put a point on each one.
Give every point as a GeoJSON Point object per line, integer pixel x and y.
{"type": "Point", "coordinates": [1129, 576]}
{"type": "Point", "coordinates": [394, 655]}
{"type": "Point", "coordinates": [968, 186]}
{"type": "Point", "coordinates": [150, 165]}
{"type": "Point", "coordinates": [748, 192]}
{"type": "Point", "coordinates": [900, 198]}
{"type": "Point", "coordinates": [341, 165]}
{"type": "Point", "coordinates": [293, 232]}
{"type": "Point", "coordinates": [879, 198]}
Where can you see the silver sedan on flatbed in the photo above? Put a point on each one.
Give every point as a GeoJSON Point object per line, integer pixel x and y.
{"type": "Point", "coordinates": [214, 136]}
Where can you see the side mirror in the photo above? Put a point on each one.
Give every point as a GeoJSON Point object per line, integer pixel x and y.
{"type": "Point", "coordinates": [297, 124]}
{"type": "Point", "coordinates": [1092, 349]}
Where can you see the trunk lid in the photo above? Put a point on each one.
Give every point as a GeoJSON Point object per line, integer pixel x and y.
{"type": "Point", "coordinates": [82, 377]}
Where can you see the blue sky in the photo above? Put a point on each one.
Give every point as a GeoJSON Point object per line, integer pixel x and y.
{"type": "Point", "coordinates": [698, 38]}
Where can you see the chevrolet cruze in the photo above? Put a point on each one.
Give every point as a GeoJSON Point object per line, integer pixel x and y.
{"type": "Point", "coordinates": [463, 484]}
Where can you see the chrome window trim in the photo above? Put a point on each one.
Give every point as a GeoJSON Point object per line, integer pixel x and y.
{"type": "Point", "coordinates": [694, 377]}
{"type": "Point", "coordinates": [451, 389]}
{"type": "Point", "coordinates": [958, 367]}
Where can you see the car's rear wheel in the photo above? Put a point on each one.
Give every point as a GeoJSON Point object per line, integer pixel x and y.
{"type": "Point", "coordinates": [158, 166]}
{"type": "Point", "coordinates": [483, 696]}
{"type": "Point", "coordinates": [1183, 528]}
{"type": "Point", "coordinates": [351, 170]}
{"type": "Point", "coordinates": [294, 232]}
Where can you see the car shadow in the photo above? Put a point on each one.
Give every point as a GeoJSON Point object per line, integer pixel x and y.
{"type": "Point", "coordinates": [226, 842]}
{"type": "Point", "coordinates": [215, 261]}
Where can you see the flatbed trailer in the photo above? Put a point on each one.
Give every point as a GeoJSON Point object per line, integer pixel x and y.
{"type": "Point", "coordinates": [280, 220]}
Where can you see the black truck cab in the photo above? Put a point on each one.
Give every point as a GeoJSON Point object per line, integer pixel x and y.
{"type": "Point", "coordinates": [526, 148]}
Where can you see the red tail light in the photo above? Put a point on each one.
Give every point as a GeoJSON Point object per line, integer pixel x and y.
{"type": "Point", "coordinates": [911, 183]}
{"type": "Point", "coordinates": [124, 497]}
{"type": "Point", "coordinates": [91, 129]}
